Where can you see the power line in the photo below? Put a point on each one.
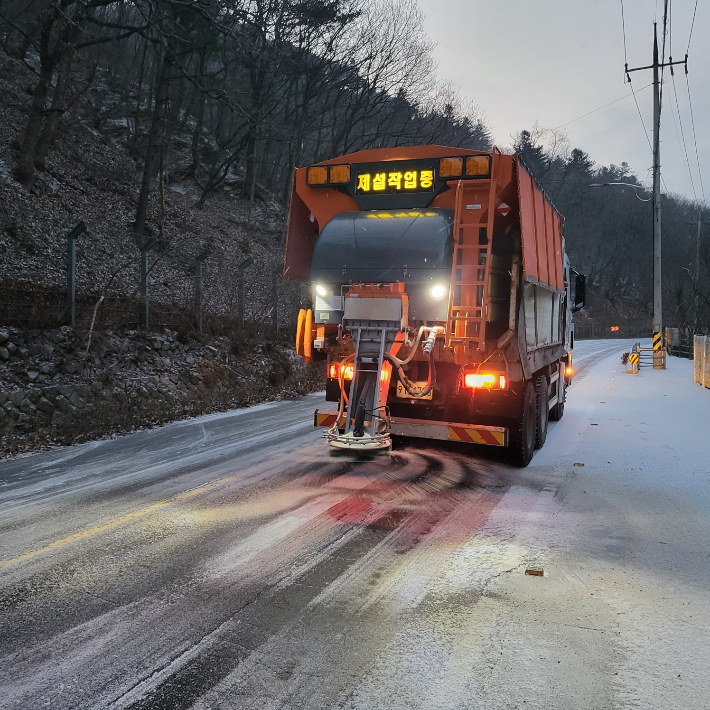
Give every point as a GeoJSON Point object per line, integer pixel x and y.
{"type": "Point", "coordinates": [682, 133]}
{"type": "Point", "coordinates": [690, 104]}
{"type": "Point", "coordinates": [695, 140]}
{"type": "Point", "coordinates": [663, 55]}
{"type": "Point", "coordinates": [692, 24]}
{"type": "Point", "coordinates": [677, 134]}
{"type": "Point", "coordinates": [589, 113]}
{"type": "Point", "coordinates": [638, 108]}
{"type": "Point", "coordinates": [628, 78]}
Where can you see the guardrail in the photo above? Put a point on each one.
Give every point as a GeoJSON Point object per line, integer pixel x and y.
{"type": "Point", "coordinates": [701, 357]}
{"type": "Point", "coordinates": [643, 357]}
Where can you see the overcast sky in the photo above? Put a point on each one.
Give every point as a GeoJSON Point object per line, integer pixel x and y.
{"type": "Point", "coordinates": [553, 60]}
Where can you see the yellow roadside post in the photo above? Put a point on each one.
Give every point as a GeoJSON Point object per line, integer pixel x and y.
{"type": "Point", "coordinates": [633, 364]}
{"type": "Point", "coordinates": [659, 353]}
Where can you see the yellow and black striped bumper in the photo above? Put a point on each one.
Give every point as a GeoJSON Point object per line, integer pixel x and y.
{"type": "Point", "coordinates": [443, 431]}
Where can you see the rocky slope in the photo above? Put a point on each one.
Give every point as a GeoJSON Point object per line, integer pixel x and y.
{"type": "Point", "coordinates": [57, 384]}
{"type": "Point", "coordinates": [52, 393]}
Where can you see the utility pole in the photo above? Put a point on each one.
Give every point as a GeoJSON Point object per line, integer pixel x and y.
{"type": "Point", "coordinates": [658, 361]}
{"type": "Point", "coordinates": [657, 289]}
{"type": "Point", "coordinates": [699, 222]}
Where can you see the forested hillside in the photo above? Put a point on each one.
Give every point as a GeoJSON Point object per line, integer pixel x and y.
{"type": "Point", "coordinates": [176, 125]}
{"type": "Point", "coordinates": [181, 123]}
{"type": "Point", "coordinates": [609, 237]}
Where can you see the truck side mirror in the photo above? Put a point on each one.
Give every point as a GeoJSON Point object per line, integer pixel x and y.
{"type": "Point", "coordinates": [580, 291]}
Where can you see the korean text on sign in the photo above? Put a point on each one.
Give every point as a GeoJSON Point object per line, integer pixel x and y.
{"type": "Point", "coordinates": [395, 181]}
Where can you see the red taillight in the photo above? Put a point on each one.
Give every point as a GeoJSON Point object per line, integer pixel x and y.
{"type": "Point", "coordinates": [489, 380]}
{"type": "Point", "coordinates": [334, 370]}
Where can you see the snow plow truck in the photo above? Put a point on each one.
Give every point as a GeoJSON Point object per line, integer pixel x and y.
{"type": "Point", "coordinates": [441, 296]}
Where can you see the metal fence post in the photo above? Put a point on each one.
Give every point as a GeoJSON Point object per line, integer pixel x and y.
{"type": "Point", "coordinates": [143, 315]}
{"type": "Point", "coordinates": [275, 299]}
{"type": "Point", "coordinates": [240, 282]}
{"type": "Point", "coordinates": [199, 260]}
{"type": "Point", "coordinates": [71, 273]}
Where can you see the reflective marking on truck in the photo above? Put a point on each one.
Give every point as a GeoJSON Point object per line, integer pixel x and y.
{"type": "Point", "coordinates": [327, 419]}
{"type": "Point", "coordinates": [477, 436]}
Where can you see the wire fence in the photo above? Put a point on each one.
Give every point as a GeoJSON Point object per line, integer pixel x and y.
{"type": "Point", "coordinates": [680, 342]}
{"type": "Point", "coordinates": [33, 306]}
{"type": "Point", "coordinates": [58, 270]}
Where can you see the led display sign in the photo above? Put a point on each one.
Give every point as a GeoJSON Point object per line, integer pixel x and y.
{"type": "Point", "coordinates": [394, 181]}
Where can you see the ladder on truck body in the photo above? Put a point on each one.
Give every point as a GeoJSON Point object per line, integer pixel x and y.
{"type": "Point", "coordinates": [469, 299]}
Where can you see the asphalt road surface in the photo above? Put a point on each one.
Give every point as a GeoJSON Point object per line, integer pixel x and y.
{"type": "Point", "coordinates": [233, 561]}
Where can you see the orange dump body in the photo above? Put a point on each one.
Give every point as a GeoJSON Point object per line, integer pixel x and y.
{"type": "Point", "coordinates": [504, 203]}
{"type": "Point", "coordinates": [509, 184]}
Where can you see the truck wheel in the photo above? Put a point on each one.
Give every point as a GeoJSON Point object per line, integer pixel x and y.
{"type": "Point", "coordinates": [523, 431]}
{"type": "Point", "coordinates": [542, 400]}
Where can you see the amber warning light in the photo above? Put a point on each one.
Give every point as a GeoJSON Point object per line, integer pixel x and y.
{"type": "Point", "coordinates": [348, 370]}
{"type": "Point", "coordinates": [322, 175]}
{"type": "Point", "coordinates": [317, 176]}
{"type": "Point", "coordinates": [451, 167]}
{"type": "Point", "coordinates": [477, 166]}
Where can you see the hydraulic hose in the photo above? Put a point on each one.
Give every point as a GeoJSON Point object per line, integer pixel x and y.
{"type": "Point", "coordinates": [431, 339]}
{"type": "Point", "coordinates": [406, 382]}
{"type": "Point", "coordinates": [428, 349]}
{"type": "Point", "coordinates": [413, 351]}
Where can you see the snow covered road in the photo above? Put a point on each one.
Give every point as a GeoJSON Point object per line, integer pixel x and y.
{"type": "Point", "coordinates": [232, 562]}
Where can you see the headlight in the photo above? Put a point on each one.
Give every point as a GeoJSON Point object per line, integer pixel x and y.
{"type": "Point", "coordinates": [438, 291]}
{"type": "Point", "coordinates": [321, 290]}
